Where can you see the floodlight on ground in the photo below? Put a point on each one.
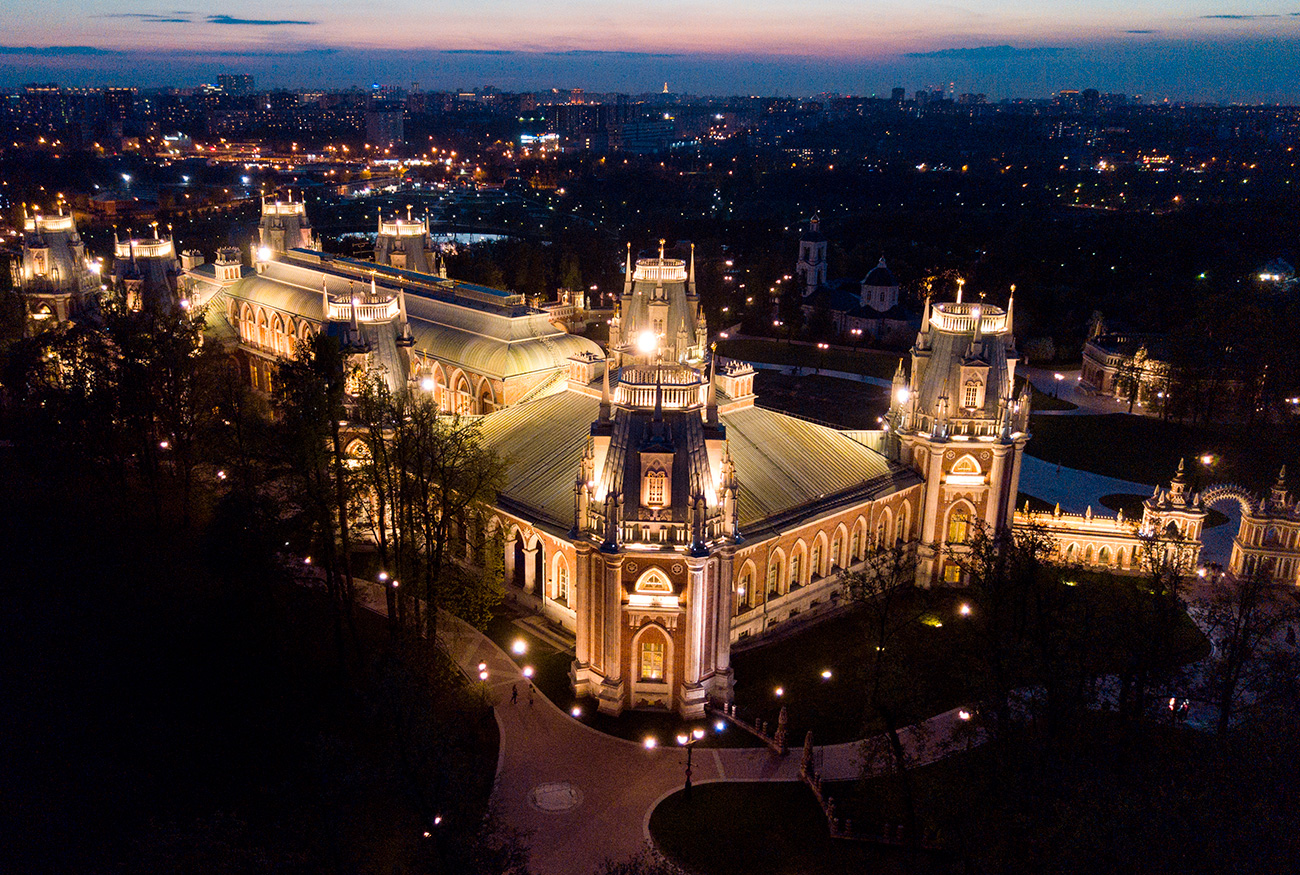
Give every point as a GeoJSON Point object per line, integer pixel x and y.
{"type": "Point", "coordinates": [383, 576]}
{"type": "Point", "coordinates": [964, 610]}
{"type": "Point", "coordinates": [720, 726]}
{"type": "Point", "coordinates": [576, 711]}
{"type": "Point", "coordinates": [650, 742]}
{"type": "Point", "coordinates": [963, 714]}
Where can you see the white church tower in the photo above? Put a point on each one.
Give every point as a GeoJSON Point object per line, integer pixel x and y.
{"type": "Point", "coordinates": [811, 269]}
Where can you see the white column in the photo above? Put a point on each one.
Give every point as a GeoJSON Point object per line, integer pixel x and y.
{"type": "Point", "coordinates": [530, 568]}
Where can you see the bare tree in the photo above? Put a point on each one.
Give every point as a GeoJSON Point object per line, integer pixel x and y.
{"type": "Point", "coordinates": [1243, 618]}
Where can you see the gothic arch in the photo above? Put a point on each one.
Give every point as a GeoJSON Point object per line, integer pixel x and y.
{"type": "Point", "coordinates": [967, 464]}
{"type": "Point", "coordinates": [884, 527]}
{"type": "Point", "coordinates": [772, 581]}
{"type": "Point", "coordinates": [486, 398]}
{"type": "Point", "coordinates": [561, 581]}
{"type": "Point", "coordinates": [749, 591]}
{"type": "Point", "coordinates": [1104, 556]}
{"type": "Point", "coordinates": [819, 562]}
{"type": "Point", "coordinates": [840, 546]}
{"type": "Point", "coordinates": [798, 566]}
{"type": "Point", "coordinates": [652, 632]}
{"type": "Point", "coordinates": [654, 582]}
{"type": "Point", "coordinates": [904, 528]}
{"type": "Point", "coordinates": [953, 531]}
{"type": "Point", "coordinates": [860, 534]}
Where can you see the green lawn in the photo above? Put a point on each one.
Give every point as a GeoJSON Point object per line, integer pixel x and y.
{"type": "Point", "coordinates": [1147, 450]}
{"type": "Point", "coordinates": [769, 828]}
{"type": "Point", "coordinates": [933, 668]}
{"type": "Point", "coordinates": [842, 402]}
{"type": "Point", "coordinates": [873, 363]}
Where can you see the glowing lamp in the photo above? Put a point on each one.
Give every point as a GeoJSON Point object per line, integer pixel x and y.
{"type": "Point", "coordinates": [650, 742]}
{"type": "Point", "coordinates": [427, 384]}
{"type": "Point", "coordinates": [520, 646]}
{"type": "Point", "coordinates": [264, 253]}
{"type": "Point", "coordinates": [903, 395]}
{"type": "Point", "coordinates": [646, 342]}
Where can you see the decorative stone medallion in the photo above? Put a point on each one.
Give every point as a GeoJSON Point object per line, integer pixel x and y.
{"type": "Point", "coordinates": [556, 796]}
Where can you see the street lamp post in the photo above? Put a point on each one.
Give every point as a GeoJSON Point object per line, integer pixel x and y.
{"type": "Point", "coordinates": [688, 742]}
{"type": "Point", "coordinates": [1059, 378]}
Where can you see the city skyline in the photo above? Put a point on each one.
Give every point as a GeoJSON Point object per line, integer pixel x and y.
{"type": "Point", "coordinates": [1203, 51]}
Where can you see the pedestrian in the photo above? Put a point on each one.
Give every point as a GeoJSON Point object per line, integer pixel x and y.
{"type": "Point", "coordinates": [530, 695]}
{"type": "Point", "coordinates": [514, 693]}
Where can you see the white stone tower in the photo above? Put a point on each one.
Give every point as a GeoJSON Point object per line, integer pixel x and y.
{"type": "Point", "coordinates": [957, 421]}
{"type": "Point", "coordinates": [811, 269]}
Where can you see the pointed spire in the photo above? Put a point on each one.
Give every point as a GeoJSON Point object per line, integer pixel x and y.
{"type": "Point", "coordinates": [960, 284]}
{"type": "Point", "coordinates": [604, 391]}
{"type": "Point", "coordinates": [690, 279]}
{"type": "Point", "coordinates": [662, 241]}
{"type": "Point", "coordinates": [1011, 308]}
{"type": "Point", "coordinates": [627, 271]}
{"type": "Point", "coordinates": [324, 300]}
{"type": "Point", "coordinates": [659, 396]}
{"type": "Point", "coordinates": [711, 395]}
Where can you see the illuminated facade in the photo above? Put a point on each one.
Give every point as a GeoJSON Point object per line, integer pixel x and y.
{"type": "Point", "coordinates": [58, 283]}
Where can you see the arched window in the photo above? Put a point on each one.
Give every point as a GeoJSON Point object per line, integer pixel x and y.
{"type": "Point", "coordinates": [561, 580]}
{"type": "Point", "coordinates": [854, 547]}
{"type": "Point", "coordinates": [744, 593]}
{"type": "Point", "coordinates": [652, 658]}
{"type": "Point", "coordinates": [835, 551]}
{"type": "Point", "coordinates": [773, 575]}
{"type": "Point", "coordinates": [815, 565]}
{"type": "Point", "coordinates": [654, 582]}
{"type": "Point", "coordinates": [958, 526]}
{"type": "Point", "coordinates": [656, 488]}
{"type": "Point", "coordinates": [1103, 556]}
{"type": "Point", "coordinates": [795, 568]}
{"type": "Point", "coordinates": [901, 532]}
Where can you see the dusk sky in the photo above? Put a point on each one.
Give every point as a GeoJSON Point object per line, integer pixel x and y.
{"type": "Point", "coordinates": [1218, 50]}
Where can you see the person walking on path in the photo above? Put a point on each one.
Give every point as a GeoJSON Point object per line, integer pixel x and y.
{"type": "Point", "coordinates": [530, 695]}
{"type": "Point", "coordinates": [514, 693]}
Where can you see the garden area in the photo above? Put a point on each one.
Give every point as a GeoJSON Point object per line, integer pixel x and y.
{"type": "Point", "coordinates": [1147, 450]}
{"type": "Point", "coordinates": [820, 673]}
{"type": "Point", "coordinates": [870, 362]}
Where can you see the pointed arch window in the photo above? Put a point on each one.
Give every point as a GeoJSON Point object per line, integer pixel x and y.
{"type": "Point", "coordinates": [652, 659]}
{"type": "Point", "coordinates": [958, 526]}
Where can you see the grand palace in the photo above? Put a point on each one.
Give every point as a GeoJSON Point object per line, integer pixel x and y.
{"type": "Point", "coordinates": [650, 506]}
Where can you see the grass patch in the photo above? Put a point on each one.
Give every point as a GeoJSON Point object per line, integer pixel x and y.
{"type": "Point", "coordinates": [871, 362]}
{"type": "Point", "coordinates": [842, 402]}
{"type": "Point", "coordinates": [935, 664]}
{"type": "Point", "coordinates": [1147, 450]}
{"type": "Point", "coordinates": [773, 828]}
{"type": "Point", "coordinates": [1039, 400]}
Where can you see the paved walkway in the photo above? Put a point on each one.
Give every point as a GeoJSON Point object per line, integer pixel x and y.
{"type": "Point", "coordinates": [583, 796]}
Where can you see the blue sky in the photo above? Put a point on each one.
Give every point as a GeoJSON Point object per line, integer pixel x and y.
{"type": "Point", "coordinates": [1233, 50]}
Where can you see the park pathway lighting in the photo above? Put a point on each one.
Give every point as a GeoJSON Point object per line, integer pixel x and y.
{"type": "Point", "coordinates": [963, 714]}
{"type": "Point", "coordinates": [650, 742]}
{"type": "Point", "coordinates": [520, 646]}
{"type": "Point", "coordinates": [964, 610]}
{"type": "Point", "coordinates": [528, 671]}
{"type": "Point", "coordinates": [720, 726]}
{"type": "Point", "coordinates": [779, 692]}
{"type": "Point", "coordinates": [576, 711]}
{"type": "Point", "coordinates": [688, 741]}
{"type": "Point", "coordinates": [826, 674]}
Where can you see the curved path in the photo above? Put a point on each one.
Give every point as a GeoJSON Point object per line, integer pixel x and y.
{"type": "Point", "coordinates": [583, 796]}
